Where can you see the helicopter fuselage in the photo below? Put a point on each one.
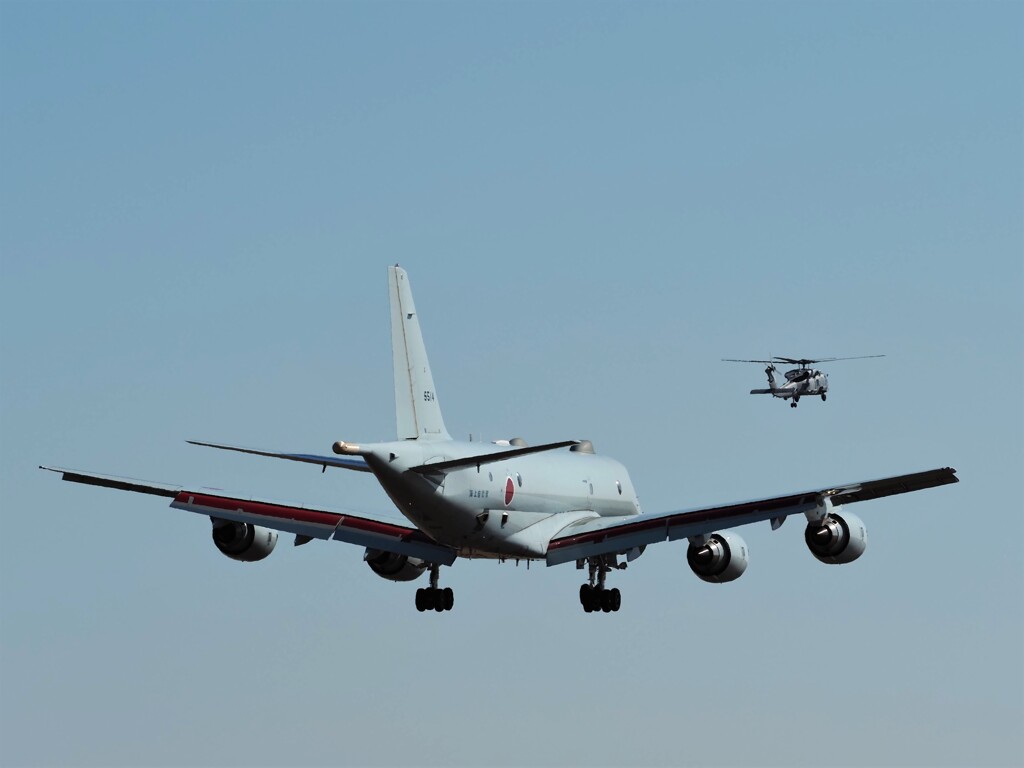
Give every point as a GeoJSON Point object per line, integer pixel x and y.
{"type": "Point", "coordinates": [800, 382]}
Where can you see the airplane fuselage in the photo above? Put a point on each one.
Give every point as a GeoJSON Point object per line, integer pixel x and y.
{"type": "Point", "coordinates": [504, 508]}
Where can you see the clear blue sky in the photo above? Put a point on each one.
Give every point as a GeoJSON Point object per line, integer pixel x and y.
{"type": "Point", "coordinates": [595, 202]}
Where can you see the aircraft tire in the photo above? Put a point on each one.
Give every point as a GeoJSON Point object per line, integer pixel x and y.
{"type": "Point", "coordinates": [823, 397]}
{"type": "Point", "coordinates": [616, 598]}
{"type": "Point", "coordinates": [448, 595]}
{"type": "Point", "coordinates": [421, 600]}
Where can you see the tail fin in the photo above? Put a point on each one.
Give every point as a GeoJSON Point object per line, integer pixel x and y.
{"type": "Point", "coordinates": [770, 370]}
{"type": "Point", "coordinates": [417, 409]}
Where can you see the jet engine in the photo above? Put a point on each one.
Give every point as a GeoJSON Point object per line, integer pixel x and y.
{"type": "Point", "coordinates": [242, 541]}
{"type": "Point", "coordinates": [837, 538]}
{"type": "Point", "coordinates": [394, 567]}
{"type": "Point", "coordinates": [722, 558]}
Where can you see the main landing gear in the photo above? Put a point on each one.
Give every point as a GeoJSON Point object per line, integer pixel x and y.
{"type": "Point", "coordinates": [433, 598]}
{"type": "Point", "coordinates": [594, 596]}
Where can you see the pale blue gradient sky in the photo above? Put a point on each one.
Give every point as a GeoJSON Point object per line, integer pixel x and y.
{"type": "Point", "coordinates": [595, 202]}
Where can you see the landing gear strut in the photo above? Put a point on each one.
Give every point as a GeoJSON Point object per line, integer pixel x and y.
{"type": "Point", "coordinates": [594, 596]}
{"type": "Point", "coordinates": [433, 598]}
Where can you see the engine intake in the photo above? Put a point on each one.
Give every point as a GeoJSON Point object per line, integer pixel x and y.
{"type": "Point", "coordinates": [394, 567]}
{"type": "Point", "coordinates": [242, 541]}
{"type": "Point", "coordinates": [837, 538]}
{"type": "Point", "coordinates": [722, 558]}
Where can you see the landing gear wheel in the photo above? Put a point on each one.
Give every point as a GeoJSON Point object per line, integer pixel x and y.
{"type": "Point", "coordinates": [586, 597]}
{"type": "Point", "coordinates": [594, 595]}
{"type": "Point", "coordinates": [421, 599]}
{"type": "Point", "coordinates": [823, 397]}
{"type": "Point", "coordinates": [792, 405]}
{"type": "Point", "coordinates": [433, 598]}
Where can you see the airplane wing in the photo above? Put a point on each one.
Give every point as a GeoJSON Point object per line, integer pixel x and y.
{"type": "Point", "coordinates": [344, 462]}
{"type": "Point", "coordinates": [604, 536]}
{"type": "Point", "coordinates": [304, 522]}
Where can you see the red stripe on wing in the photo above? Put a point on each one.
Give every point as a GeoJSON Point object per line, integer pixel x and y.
{"type": "Point", "coordinates": [301, 514]}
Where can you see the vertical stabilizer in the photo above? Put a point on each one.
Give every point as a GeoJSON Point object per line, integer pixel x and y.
{"type": "Point", "coordinates": [417, 409]}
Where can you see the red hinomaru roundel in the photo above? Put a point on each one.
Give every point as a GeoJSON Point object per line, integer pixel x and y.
{"type": "Point", "coordinates": [510, 490]}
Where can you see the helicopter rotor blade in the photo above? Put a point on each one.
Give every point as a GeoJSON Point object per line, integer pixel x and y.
{"type": "Point", "coordinates": [806, 361]}
{"type": "Point", "coordinates": [834, 359]}
{"type": "Point", "coordinates": [731, 360]}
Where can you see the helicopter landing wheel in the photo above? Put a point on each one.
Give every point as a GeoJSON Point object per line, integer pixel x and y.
{"type": "Point", "coordinates": [792, 405]}
{"type": "Point", "coordinates": [823, 398]}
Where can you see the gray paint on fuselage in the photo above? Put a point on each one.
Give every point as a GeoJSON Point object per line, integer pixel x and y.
{"type": "Point", "coordinates": [464, 508]}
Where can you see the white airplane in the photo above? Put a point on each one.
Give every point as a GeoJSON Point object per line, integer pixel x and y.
{"type": "Point", "coordinates": [556, 503]}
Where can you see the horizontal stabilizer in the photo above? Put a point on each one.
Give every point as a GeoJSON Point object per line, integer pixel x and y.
{"type": "Point", "coordinates": [768, 391]}
{"type": "Point", "coordinates": [487, 458]}
{"type": "Point", "coordinates": [343, 462]}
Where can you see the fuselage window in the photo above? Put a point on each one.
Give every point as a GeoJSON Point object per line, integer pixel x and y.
{"type": "Point", "coordinates": [490, 476]}
{"type": "Point", "coordinates": [619, 486]}
{"type": "Point", "coordinates": [591, 489]}
{"type": "Point", "coordinates": [519, 479]}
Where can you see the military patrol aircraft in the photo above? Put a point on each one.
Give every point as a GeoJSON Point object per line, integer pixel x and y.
{"type": "Point", "coordinates": [799, 381]}
{"type": "Point", "coordinates": [554, 503]}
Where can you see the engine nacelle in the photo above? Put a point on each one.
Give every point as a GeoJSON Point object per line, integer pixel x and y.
{"type": "Point", "coordinates": [722, 558]}
{"type": "Point", "coordinates": [394, 567]}
{"type": "Point", "coordinates": [837, 539]}
{"type": "Point", "coordinates": [242, 541]}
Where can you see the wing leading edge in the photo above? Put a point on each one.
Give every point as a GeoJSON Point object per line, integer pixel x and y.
{"type": "Point", "coordinates": [301, 521]}
{"type": "Point", "coordinates": [604, 536]}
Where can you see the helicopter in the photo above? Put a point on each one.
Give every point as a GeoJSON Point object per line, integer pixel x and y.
{"type": "Point", "coordinates": [799, 381]}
